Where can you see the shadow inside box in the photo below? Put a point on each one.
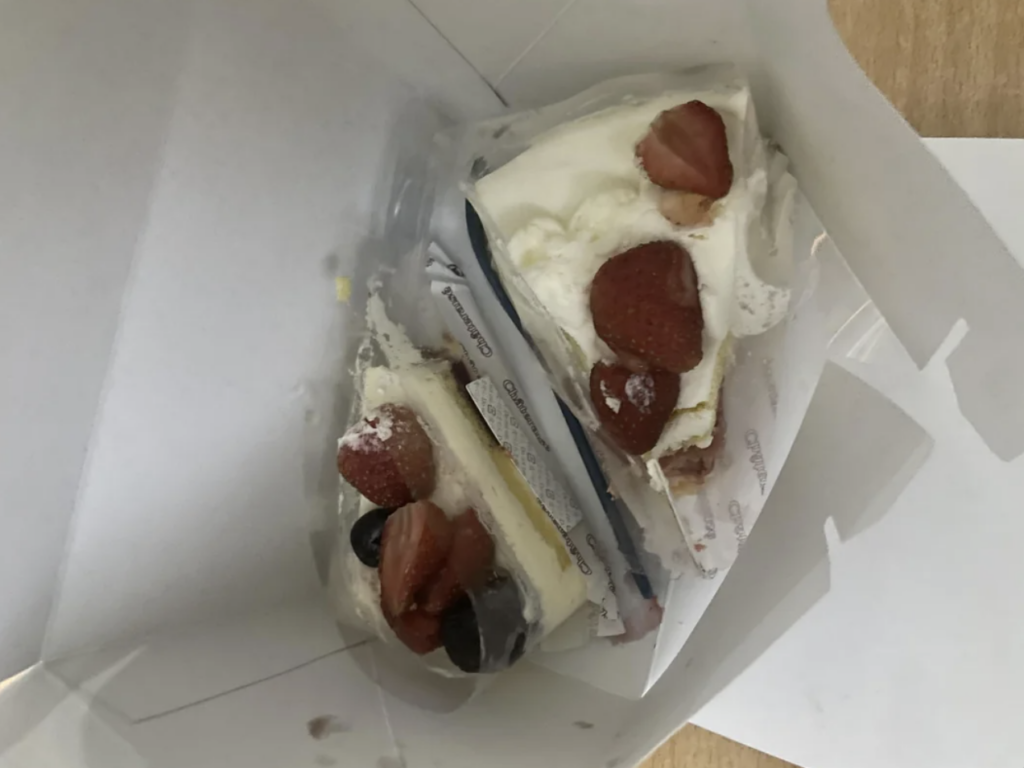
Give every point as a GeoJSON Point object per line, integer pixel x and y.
{"type": "Point", "coordinates": [855, 454]}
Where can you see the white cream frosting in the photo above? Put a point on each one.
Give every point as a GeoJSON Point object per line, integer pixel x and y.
{"type": "Point", "coordinates": [578, 196]}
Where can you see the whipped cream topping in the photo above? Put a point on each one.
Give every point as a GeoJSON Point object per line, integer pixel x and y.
{"type": "Point", "coordinates": [613, 402]}
{"type": "Point", "coordinates": [578, 196]}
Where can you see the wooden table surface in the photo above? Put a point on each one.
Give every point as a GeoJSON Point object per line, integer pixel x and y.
{"type": "Point", "coordinates": [953, 68]}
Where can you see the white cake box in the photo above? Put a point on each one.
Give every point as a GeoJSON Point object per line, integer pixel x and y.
{"type": "Point", "coordinates": [182, 182]}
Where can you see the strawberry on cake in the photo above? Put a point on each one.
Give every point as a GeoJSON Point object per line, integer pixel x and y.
{"type": "Point", "coordinates": [622, 238]}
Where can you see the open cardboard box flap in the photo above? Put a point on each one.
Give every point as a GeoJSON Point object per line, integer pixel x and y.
{"type": "Point", "coordinates": [186, 180]}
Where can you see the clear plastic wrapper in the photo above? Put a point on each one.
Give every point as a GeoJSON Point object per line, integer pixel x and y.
{"type": "Point", "coordinates": [475, 566]}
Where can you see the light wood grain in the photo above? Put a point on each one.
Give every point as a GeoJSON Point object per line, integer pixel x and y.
{"type": "Point", "coordinates": [953, 68]}
{"type": "Point", "coordinates": [694, 747]}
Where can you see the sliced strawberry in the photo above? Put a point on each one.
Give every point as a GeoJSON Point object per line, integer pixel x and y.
{"type": "Point", "coordinates": [414, 547]}
{"type": "Point", "coordinates": [388, 457]}
{"type": "Point", "coordinates": [646, 306]}
{"type": "Point", "coordinates": [441, 592]}
{"type": "Point", "coordinates": [472, 553]}
{"type": "Point", "coordinates": [686, 149]}
{"type": "Point", "coordinates": [469, 561]}
{"type": "Point", "coordinates": [418, 630]}
{"type": "Point", "coordinates": [633, 407]}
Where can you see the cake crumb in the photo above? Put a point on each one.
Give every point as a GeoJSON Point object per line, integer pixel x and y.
{"type": "Point", "coordinates": [326, 725]}
{"type": "Point", "coordinates": [343, 289]}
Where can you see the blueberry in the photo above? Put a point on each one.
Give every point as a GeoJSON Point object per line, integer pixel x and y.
{"type": "Point", "coordinates": [460, 635]}
{"type": "Point", "coordinates": [366, 535]}
{"type": "Point", "coordinates": [485, 631]}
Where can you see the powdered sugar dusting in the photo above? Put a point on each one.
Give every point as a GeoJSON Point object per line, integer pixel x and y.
{"type": "Point", "coordinates": [640, 391]}
{"type": "Point", "coordinates": [376, 428]}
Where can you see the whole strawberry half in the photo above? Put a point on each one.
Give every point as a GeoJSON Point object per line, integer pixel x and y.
{"type": "Point", "coordinates": [469, 562]}
{"type": "Point", "coordinates": [646, 306]}
{"type": "Point", "coordinates": [417, 629]}
{"type": "Point", "coordinates": [686, 149]}
{"type": "Point", "coordinates": [414, 547]}
{"type": "Point", "coordinates": [388, 457]}
{"type": "Point", "coordinates": [633, 407]}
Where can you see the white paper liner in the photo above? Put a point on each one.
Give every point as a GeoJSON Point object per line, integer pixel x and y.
{"type": "Point", "coordinates": [717, 519]}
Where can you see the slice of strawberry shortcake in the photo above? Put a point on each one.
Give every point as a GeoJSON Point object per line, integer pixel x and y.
{"type": "Point", "coordinates": [451, 549]}
{"type": "Point", "coordinates": [623, 240]}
